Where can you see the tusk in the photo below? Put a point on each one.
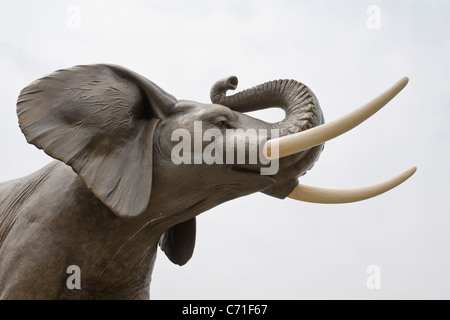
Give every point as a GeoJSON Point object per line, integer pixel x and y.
{"type": "Point", "coordinates": [319, 195]}
{"type": "Point", "coordinates": [303, 140]}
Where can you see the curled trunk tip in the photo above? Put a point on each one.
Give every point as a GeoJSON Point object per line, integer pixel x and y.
{"type": "Point", "coordinates": [220, 88]}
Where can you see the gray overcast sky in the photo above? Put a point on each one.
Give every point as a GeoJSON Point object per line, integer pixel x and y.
{"type": "Point", "coordinates": [258, 247]}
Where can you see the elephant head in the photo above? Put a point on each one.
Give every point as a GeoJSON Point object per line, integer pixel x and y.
{"type": "Point", "coordinates": [115, 129]}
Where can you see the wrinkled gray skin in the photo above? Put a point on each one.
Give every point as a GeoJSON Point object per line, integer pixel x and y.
{"type": "Point", "coordinates": [113, 193]}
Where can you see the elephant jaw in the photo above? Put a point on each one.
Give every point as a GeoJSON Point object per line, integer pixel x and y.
{"type": "Point", "coordinates": [304, 140]}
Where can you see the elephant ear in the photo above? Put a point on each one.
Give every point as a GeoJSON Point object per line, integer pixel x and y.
{"type": "Point", "coordinates": [100, 120]}
{"type": "Point", "coordinates": [178, 242]}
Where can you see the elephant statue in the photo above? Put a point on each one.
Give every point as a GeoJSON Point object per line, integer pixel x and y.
{"type": "Point", "coordinates": [123, 181]}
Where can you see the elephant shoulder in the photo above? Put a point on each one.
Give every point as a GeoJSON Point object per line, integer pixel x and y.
{"type": "Point", "coordinates": [17, 196]}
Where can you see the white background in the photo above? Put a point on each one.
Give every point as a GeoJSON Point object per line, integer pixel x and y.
{"type": "Point", "coordinates": [259, 247]}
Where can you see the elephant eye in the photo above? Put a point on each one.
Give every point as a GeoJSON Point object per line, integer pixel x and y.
{"type": "Point", "coordinates": [223, 124]}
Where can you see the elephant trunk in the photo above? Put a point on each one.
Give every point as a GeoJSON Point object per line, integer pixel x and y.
{"type": "Point", "coordinates": [297, 100]}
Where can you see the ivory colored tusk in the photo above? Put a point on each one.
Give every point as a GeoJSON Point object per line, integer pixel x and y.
{"type": "Point", "coordinates": [319, 195]}
{"type": "Point", "coordinates": [303, 140]}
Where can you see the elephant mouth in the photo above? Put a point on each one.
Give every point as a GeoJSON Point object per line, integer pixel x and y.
{"type": "Point", "coordinates": [245, 169]}
{"type": "Point", "coordinates": [250, 173]}
{"type": "Point", "coordinates": [249, 170]}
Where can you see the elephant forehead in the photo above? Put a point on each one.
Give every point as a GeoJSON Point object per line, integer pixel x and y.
{"type": "Point", "coordinates": [192, 110]}
{"type": "Point", "coordinates": [187, 106]}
